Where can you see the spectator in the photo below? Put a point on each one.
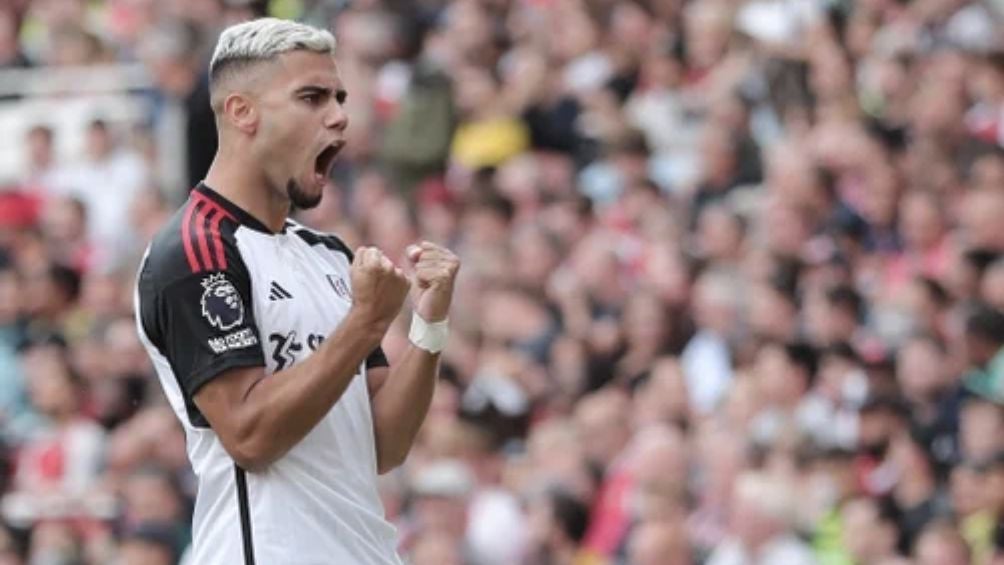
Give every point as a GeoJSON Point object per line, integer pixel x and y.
{"type": "Point", "coordinates": [557, 525]}
{"type": "Point", "coordinates": [829, 415]}
{"type": "Point", "coordinates": [147, 544]}
{"type": "Point", "coordinates": [977, 513]}
{"type": "Point", "coordinates": [659, 543]}
{"type": "Point", "coordinates": [41, 160]}
{"type": "Point", "coordinates": [59, 464]}
{"type": "Point", "coordinates": [11, 54]}
{"type": "Point", "coordinates": [984, 340]}
{"type": "Point", "coordinates": [173, 52]}
{"type": "Point", "coordinates": [434, 548]}
{"type": "Point", "coordinates": [707, 357]}
{"type": "Point", "coordinates": [992, 287]}
{"type": "Point", "coordinates": [106, 180]}
{"type": "Point", "coordinates": [916, 495]}
{"type": "Point", "coordinates": [760, 523]}
{"type": "Point", "coordinates": [840, 310]}
{"type": "Point", "coordinates": [13, 400]}
{"type": "Point", "coordinates": [784, 373]}
{"type": "Point", "coordinates": [981, 423]}
{"type": "Point", "coordinates": [882, 419]}
{"type": "Point", "coordinates": [151, 497]}
{"type": "Point", "coordinates": [64, 226]}
{"type": "Point", "coordinates": [941, 543]}
{"type": "Point", "coordinates": [50, 297]}
{"type": "Point", "coordinates": [440, 508]}
{"type": "Point", "coordinates": [870, 533]}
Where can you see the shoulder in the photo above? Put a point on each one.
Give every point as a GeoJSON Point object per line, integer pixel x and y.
{"type": "Point", "coordinates": [198, 239]}
{"type": "Point", "coordinates": [318, 238]}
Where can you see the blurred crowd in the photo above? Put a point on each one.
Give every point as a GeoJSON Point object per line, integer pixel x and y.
{"type": "Point", "coordinates": [732, 288]}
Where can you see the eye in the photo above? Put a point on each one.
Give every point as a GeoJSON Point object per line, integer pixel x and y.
{"type": "Point", "coordinates": [313, 98]}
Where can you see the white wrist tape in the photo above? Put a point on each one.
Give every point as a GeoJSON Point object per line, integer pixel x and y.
{"type": "Point", "coordinates": [430, 337]}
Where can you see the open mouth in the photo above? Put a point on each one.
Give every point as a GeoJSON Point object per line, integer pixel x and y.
{"type": "Point", "coordinates": [324, 161]}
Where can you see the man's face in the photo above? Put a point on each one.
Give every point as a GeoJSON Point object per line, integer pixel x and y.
{"type": "Point", "coordinates": [302, 125]}
{"type": "Point", "coordinates": [919, 371]}
{"type": "Point", "coordinates": [982, 424]}
{"type": "Point", "coordinates": [40, 148]}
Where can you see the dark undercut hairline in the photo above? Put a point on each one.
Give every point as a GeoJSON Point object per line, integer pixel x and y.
{"type": "Point", "coordinates": [229, 72]}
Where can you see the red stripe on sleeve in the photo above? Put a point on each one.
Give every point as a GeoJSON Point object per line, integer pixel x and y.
{"type": "Point", "coordinates": [213, 220]}
{"type": "Point", "coordinates": [186, 237]}
{"type": "Point", "coordinates": [214, 233]}
{"type": "Point", "coordinates": [200, 234]}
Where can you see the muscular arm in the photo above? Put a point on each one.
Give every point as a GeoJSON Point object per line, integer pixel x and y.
{"type": "Point", "coordinates": [400, 397]}
{"type": "Point", "coordinates": [258, 418]}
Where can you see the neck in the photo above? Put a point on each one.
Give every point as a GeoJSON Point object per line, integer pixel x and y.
{"type": "Point", "coordinates": [247, 188]}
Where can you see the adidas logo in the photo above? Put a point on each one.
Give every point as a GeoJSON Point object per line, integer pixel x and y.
{"type": "Point", "coordinates": [276, 292]}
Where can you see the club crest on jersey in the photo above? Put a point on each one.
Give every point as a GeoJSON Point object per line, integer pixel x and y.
{"type": "Point", "coordinates": [340, 287]}
{"type": "Point", "coordinates": [221, 304]}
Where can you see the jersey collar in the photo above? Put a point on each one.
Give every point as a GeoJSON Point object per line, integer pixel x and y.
{"type": "Point", "coordinates": [242, 215]}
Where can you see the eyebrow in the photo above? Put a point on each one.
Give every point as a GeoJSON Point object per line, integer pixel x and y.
{"type": "Point", "coordinates": [340, 95]}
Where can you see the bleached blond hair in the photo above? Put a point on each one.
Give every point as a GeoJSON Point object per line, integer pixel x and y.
{"type": "Point", "coordinates": [266, 38]}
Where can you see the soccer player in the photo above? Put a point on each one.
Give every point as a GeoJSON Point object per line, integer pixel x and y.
{"type": "Point", "coordinates": [266, 335]}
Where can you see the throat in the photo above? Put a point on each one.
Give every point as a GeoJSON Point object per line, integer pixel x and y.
{"type": "Point", "coordinates": [265, 203]}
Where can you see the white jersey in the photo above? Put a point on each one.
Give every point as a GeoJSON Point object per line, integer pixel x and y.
{"type": "Point", "coordinates": [218, 290]}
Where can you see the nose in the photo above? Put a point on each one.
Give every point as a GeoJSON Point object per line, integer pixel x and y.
{"type": "Point", "coordinates": [337, 118]}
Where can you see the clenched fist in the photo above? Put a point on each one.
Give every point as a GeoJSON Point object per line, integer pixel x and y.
{"type": "Point", "coordinates": [435, 272]}
{"type": "Point", "coordinates": [378, 286]}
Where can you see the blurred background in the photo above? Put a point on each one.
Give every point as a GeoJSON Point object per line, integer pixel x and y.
{"type": "Point", "coordinates": [733, 283]}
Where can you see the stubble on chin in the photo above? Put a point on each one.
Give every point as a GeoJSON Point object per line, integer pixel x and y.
{"type": "Point", "coordinates": [299, 199]}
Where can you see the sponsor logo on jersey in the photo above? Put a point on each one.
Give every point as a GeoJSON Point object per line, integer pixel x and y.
{"type": "Point", "coordinates": [236, 340]}
{"type": "Point", "coordinates": [288, 348]}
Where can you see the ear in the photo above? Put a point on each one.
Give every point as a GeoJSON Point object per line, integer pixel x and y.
{"type": "Point", "coordinates": [241, 112]}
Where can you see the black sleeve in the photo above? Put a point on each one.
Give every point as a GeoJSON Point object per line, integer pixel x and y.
{"type": "Point", "coordinates": [377, 359]}
{"type": "Point", "coordinates": [206, 326]}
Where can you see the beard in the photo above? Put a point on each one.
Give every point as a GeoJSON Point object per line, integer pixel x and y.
{"type": "Point", "coordinates": [299, 198]}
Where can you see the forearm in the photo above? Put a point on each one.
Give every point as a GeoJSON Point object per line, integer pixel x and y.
{"type": "Point", "coordinates": [279, 410]}
{"type": "Point", "coordinates": [401, 404]}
